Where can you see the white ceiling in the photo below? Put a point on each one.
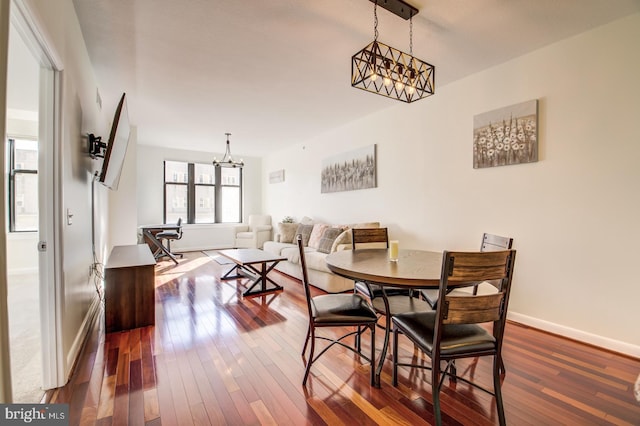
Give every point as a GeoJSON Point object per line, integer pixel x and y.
{"type": "Point", "coordinates": [277, 72]}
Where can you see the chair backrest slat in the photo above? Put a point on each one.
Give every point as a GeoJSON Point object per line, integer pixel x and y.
{"type": "Point", "coordinates": [368, 236]}
{"type": "Point", "coordinates": [472, 309]}
{"type": "Point", "coordinates": [465, 267]}
{"type": "Point", "coordinates": [468, 266]}
{"type": "Point", "coordinates": [495, 243]}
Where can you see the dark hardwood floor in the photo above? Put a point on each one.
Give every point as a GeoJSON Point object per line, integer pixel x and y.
{"type": "Point", "coordinates": [215, 358]}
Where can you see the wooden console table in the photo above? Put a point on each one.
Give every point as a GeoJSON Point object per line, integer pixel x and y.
{"type": "Point", "coordinates": [129, 288]}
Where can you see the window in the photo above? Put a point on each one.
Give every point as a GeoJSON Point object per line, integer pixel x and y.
{"type": "Point", "coordinates": [23, 185]}
{"type": "Point", "coordinates": [202, 193]}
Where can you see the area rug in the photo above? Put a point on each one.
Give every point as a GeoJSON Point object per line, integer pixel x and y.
{"type": "Point", "coordinates": [215, 256]}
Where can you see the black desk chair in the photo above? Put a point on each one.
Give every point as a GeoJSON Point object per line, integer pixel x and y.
{"type": "Point", "coordinates": [452, 331]}
{"type": "Point", "coordinates": [170, 235]}
{"type": "Point", "coordinates": [336, 310]}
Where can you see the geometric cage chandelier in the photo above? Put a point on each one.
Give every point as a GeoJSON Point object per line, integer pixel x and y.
{"type": "Point", "coordinates": [386, 71]}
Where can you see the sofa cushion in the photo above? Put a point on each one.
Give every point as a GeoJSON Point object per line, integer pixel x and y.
{"type": "Point", "coordinates": [317, 261]}
{"type": "Point", "coordinates": [305, 231]}
{"type": "Point", "coordinates": [276, 248]}
{"type": "Point", "coordinates": [343, 238]}
{"type": "Point", "coordinates": [293, 255]}
{"type": "Point", "coordinates": [287, 232]}
{"type": "Point", "coordinates": [316, 234]}
{"type": "Point", "coordinates": [328, 238]}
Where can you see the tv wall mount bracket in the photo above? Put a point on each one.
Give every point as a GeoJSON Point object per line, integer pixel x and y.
{"type": "Point", "coordinates": [97, 148]}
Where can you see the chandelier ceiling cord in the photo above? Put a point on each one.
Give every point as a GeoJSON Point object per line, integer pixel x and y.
{"type": "Point", "coordinates": [227, 160]}
{"type": "Point", "coordinates": [382, 69]}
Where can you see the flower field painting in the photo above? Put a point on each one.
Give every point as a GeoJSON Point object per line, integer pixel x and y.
{"type": "Point", "coordinates": [506, 136]}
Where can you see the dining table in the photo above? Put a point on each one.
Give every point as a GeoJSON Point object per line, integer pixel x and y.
{"type": "Point", "coordinates": [413, 269]}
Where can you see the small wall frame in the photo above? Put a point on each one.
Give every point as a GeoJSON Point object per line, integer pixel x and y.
{"type": "Point", "coordinates": [276, 176]}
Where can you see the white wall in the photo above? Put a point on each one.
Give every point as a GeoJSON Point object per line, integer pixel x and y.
{"type": "Point", "coordinates": [573, 214]}
{"type": "Point", "coordinates": [59, 27]}
{"type": "Point", "coordinates": [122, 202]}
{"type": "Point", "coordinates": [150, 193]}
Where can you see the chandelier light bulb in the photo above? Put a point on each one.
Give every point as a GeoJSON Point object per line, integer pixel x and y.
{"type": "Point", "coordinates": [411, 90]}
{"type": "Point", "coordinates": [399, 85]}
{"type": "Point", "coordinates": [387, 81]}
{"type": "Point", "coordinates": [374, 76]}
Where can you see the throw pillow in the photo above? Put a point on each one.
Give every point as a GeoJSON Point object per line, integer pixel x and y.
{"type": "Point", "coordinates": [287, 232]}
{"type": "Point", "coordinates": [343, 238]}
{"type": "Point", "coordinates": [305, 231]}
{"type": "Point", "coordinates": [328, 237]}
{"type": "Point", "coordinates": [316, 234]}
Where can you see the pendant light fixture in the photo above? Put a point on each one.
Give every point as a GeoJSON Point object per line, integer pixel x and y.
{"type": "Point", "coordinates": [382, 69]}
{"type": "Point", "coordinates": [227, 160]}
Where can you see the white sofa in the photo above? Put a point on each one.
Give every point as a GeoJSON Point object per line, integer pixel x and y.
{"type": "Point", "coordinates": [316, 251]}
{"type": "Point", "coordinates": [255, 233]}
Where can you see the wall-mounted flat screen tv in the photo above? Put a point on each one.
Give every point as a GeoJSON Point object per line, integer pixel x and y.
{"type": "Point", "coordinates": [116, 147]}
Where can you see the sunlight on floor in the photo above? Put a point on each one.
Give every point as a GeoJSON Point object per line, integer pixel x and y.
{"type": "Point", "coordinates": [24, 337]}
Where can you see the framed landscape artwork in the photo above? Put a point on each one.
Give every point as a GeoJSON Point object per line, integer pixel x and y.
{"type": "Point", "coordinates": [349, 171]}
{"type": "Point", "coordinates": [506, 136]}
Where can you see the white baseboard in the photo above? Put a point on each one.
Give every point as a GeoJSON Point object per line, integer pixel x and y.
{"type": "Point", "coordinates": [85, 328]}
{"type": "Point", "coordinates": [572, 333]}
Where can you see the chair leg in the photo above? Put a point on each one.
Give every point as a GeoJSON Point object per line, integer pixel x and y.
{"type": "Point", "coordinates": [497, 390]}
{"type": "Point", "coordinates": [453, 371]}
{"type": "Point", "coordinates": [435, 390]}
{"type": "Point", "coordinates": [502, 370]}
{"type": "Point", "coordinates": [169, 248]}
{"type": "Point", "coordinates": [394, 377]}
{"type": "Point", "coordinates": [358, 339]}
{"type": "Point", "coordinates": [304, 348]}
{"type": "Point", "coordinates": [310, 359]}
{"type": "Point", "coordinates": [373, 355]}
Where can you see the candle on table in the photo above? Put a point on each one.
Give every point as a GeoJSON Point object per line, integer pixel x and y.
{"type": "Point", "coordinates": [393, 250]}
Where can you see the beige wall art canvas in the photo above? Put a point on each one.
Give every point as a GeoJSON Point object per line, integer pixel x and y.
{"type": "Point", "coordinates": [506, 136]}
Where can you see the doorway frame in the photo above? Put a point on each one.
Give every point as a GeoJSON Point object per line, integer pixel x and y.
{"type": "Point", "coordinates": [49, 192]}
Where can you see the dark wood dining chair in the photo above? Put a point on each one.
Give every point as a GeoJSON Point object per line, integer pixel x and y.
{"type": "Point", "coordinates": [451, 331]}
{"type": "Point", "coordinates": [490, 242]}
{"type": "Point", "coordinates": [171, 235]}
{"type": "Point", "coordinates": [397, 300]}
{"type": "Point", "coordinates": [363, 238]}
{"type": "Point", "coordinates": [336, 310]}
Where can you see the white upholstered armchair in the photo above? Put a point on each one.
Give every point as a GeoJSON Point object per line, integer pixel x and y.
{"type": "Point", "coordinates": [254, 234]}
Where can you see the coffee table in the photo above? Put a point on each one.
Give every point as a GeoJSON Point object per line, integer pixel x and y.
{"type": "Point", "coordinates": [246, 261]}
